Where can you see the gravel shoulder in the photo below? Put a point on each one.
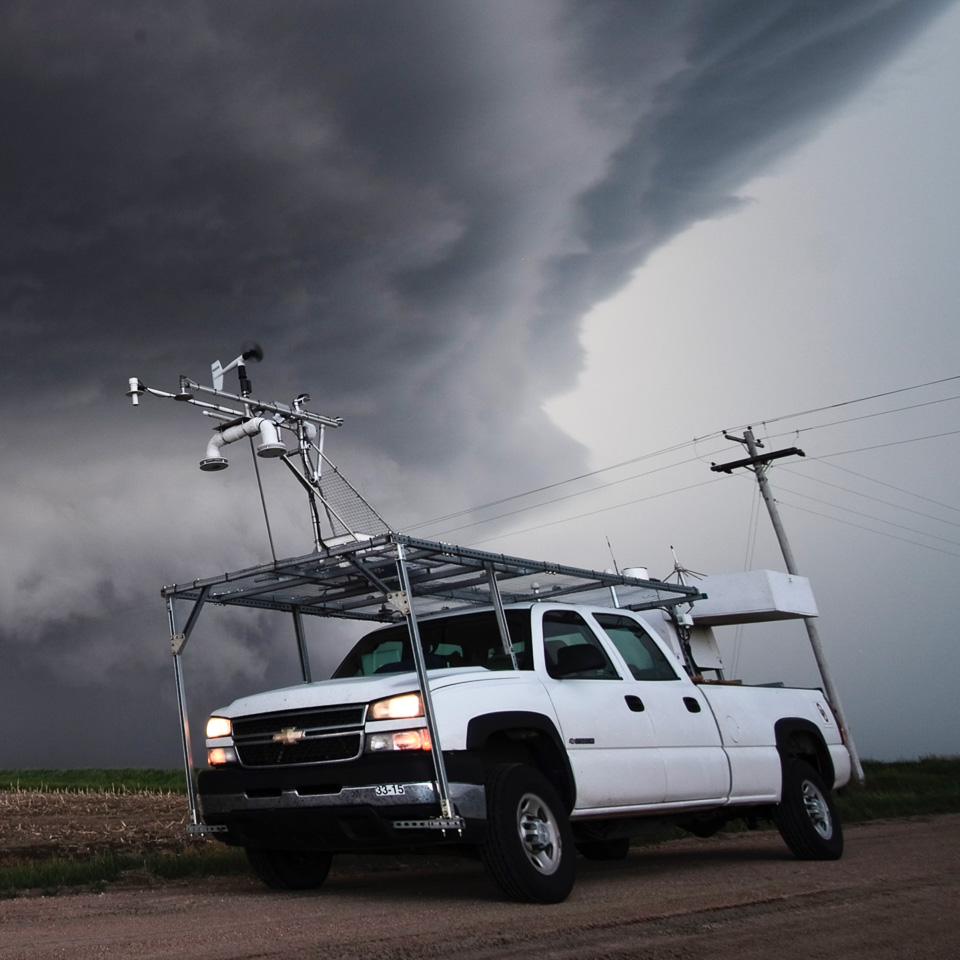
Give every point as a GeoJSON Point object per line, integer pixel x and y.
{"type": "Point", "coordinates": [894, 895]}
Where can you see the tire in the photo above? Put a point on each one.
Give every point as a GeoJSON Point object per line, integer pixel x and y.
{"type": "Point", "coordinates": [529, 849]}
{"type": "Point", "coordinates": [615, 849]}
{"type": "Point", "coordinates": [290, 869]}
{"type": "Point", "coordinates": [806, 816]}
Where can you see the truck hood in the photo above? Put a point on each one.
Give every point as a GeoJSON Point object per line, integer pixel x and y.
{"type": "Point", "coordinates": [355, 690]}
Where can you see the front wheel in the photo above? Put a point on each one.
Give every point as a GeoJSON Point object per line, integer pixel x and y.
{"type": "Point", "coordinates": [290, 869]}
{"type": "Point", "coordinates": [806, 816]}
{"type": "Point", "coordinates": [529, 848]}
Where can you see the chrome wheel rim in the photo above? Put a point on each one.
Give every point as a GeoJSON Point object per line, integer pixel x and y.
{"type": "Point", "coordinates": [817, 810]}
{"type": "Point", "coordinates": [539, 834]}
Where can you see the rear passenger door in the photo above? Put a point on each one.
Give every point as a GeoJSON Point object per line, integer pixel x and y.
{"type": "Point", "coordinates": [684, 727]}
{"type": "Point", "coordinates": [611, 744]}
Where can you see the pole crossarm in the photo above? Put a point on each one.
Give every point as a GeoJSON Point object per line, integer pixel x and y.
{"type": "Point", "coordinates": [758, 460]}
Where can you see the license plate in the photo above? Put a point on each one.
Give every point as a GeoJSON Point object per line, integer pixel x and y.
{"type": "Point", "coordinates": [389, 790]}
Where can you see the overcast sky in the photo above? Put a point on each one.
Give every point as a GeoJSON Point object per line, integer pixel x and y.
{"type": "Point", "coordinates": [511, 244]}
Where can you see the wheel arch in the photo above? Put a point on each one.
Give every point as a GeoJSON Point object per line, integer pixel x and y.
{"type": "Point", "coordinates": [524, 736]}
{"type": "Point", "coordinates": [801, 739]}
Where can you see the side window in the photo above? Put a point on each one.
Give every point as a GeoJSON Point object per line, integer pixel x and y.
{"type": "Point", "coordinates": [572, 650]}
{"type": "Point", "coordinates": [644, 658]}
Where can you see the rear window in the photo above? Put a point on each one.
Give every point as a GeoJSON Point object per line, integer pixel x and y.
{"type": "Point", "coordinates": [644, 658]}
{"type": "Point", "coordinates": [472, 640]}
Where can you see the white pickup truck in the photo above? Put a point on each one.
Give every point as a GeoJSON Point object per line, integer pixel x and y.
{"type": "Point", "coordinates": [593, 723]}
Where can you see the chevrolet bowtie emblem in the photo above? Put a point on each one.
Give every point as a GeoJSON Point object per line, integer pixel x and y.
{"type": "Point", "coordinates": [288, 735]}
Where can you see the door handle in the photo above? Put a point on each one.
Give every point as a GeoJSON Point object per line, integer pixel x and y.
{"type": "Point", "coordinates": [692, 704]}
{"type": "Point", "coordinates": [634, 703]}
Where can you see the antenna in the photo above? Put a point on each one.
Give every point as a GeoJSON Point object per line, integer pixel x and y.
{"type": "Point", "coordinates": [680, 570]}
{"type": "Point", "coordinates": [616, 566]}
{"type": "Point", "coordinates": [349, 516]}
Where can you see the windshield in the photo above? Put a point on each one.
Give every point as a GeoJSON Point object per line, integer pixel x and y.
{"type": "Point", "coordinates": [472, 640]}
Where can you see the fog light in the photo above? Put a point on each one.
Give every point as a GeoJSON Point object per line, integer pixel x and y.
{"type": "Point", "coordinates": [218, 756]}
{"type": "Point", "coordinates": [418, 739]}
{"type": "Point", "coordinates": [412, 740]}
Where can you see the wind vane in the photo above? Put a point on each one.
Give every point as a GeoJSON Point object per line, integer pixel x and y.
{"type": "Point", "coordinates": [349, 516]}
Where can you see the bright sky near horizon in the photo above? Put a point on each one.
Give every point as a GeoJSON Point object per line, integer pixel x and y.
{"type": "Point", "coordinates": [836, 281]}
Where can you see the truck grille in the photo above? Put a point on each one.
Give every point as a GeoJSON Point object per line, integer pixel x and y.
{"type": "Point", "coordinates": [319, 735]}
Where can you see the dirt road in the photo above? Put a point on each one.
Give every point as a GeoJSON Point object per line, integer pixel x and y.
{"type": "Point", "coordinates": [895, 894]}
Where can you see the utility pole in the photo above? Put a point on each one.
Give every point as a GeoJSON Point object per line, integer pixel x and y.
{"type": "Point", "coordinates": [759, 463]}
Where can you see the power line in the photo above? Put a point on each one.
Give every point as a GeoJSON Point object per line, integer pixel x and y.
{"type": "Point", "coordinates": [866, 416]}
{"type": "Point", "coordinates": [592, 513]}
{"type": "Point", "coordinates": [568, 496]}
{"type": "Point", "coordinates": [879, 533]}
{"type": "Point", "coordinates": [892, 443]}
{"type": "Point", "coordinates": [638, 476]}
{"type": "Point", "coordinates": [551, 486]}
{"type": "Point", "coordinates": [693, 443]}
{"type": "Point", "coordinates": [891, 486]}
{"type": "Point", "coordinates": [868, 516]}
{"type": "Point", "coordinates": [847, 403]}
{"type": "Point", "coordinates": [867, 496]}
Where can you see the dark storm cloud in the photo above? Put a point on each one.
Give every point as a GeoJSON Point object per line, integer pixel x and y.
{"type": "Point", "coordinates": [410, 205]}
{"type": "Point", "coordinates": [394, 185]}
{"type": "Point", "coordinates": [755, 80]}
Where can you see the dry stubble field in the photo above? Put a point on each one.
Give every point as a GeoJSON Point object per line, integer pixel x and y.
{"type": "Point", "coordinates": [37, 825]}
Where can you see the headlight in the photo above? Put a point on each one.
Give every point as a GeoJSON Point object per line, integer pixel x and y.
{"type": "Point", "coordinates": [404, 707]}
{"type": "Point", "coordinates": [219, 727]}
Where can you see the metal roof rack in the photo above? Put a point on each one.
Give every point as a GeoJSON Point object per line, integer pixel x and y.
{"type": "Point", "coordinates": [361, 569]}
{"type": "Point", "coordinates": [391, 578]}
{"type": "Point", "coordinates": [356, 581]}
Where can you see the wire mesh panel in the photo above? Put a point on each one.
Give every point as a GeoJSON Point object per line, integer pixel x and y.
{"type": "Point", "coordinates": [347, 512]}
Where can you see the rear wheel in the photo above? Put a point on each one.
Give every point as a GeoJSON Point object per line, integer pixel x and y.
{"type": "Point", "coordinates": [290, 869]}
{"type": "Point", "coordinates": [806, 816]}
{"type": "Point", "coordinates": [529, 849]}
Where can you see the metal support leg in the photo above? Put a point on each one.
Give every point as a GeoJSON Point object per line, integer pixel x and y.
{"type": "Point", "coordinates": [178, 641]}
{"type": "Point", "coordinates": [501, 616]}
{"type": "Point", "coordinates": [443, 786]}
{"type": "Point", "coordinates": [302, 646]}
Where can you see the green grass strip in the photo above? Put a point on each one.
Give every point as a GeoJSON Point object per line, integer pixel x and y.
{"type": "Point", "coordinates": [120, 780]}
{"type": "Point", "coordinates": [52, 876]}
{"type": "Point", "coordinates": [902, 789]}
